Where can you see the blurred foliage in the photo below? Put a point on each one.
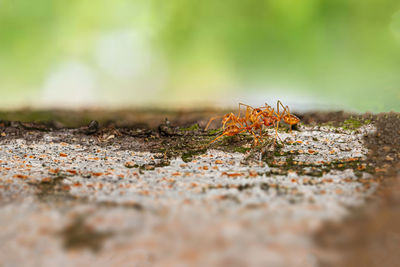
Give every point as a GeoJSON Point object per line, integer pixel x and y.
{"type": "Point", "coordinates": [344, 50]}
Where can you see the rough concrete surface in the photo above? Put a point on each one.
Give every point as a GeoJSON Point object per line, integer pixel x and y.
{"type": "Point", "coordinates": [92, 196]}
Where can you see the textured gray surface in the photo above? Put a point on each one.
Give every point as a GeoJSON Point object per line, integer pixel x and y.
{"type": "Point", "coordinates": [68, 204]}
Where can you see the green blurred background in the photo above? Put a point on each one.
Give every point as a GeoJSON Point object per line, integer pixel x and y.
{"type": "Point", "coordinates": [311, 54]}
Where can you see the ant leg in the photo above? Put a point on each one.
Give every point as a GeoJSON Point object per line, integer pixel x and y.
{"type": "Point", "coordinates": [227, 118]}
{"type": "Point", "coordinates": [278, 118]}
{"type": "Point", "coordinates": [276, 132]}
{"type": "Point", "coordinates": [247, 110]}
{"type": "Point", "coordinates": [277, 107]}
{"type": "Point", "coordinates": [261, 134]}
{"type": "Point", "coordinates": [223, 134]}
{"type": "Point", "coordinates": [280, 103]}
{"type": "Point", "coordinates": [277, 113]}
{"type": "Point", "coordinates": [209, 122]}
{"type": "Point", "coordinates": [254, 138]}
{"type": "Point", "coordinates": [241, 104]}
{"type": "Point", "coordinates": [248, 114]}
{"type": "Point", "coordinates": [286, 111]}
{"type": "Point", "coordinates": [285, 108]}
{"type": "Point", "coordinates": [218, 137]}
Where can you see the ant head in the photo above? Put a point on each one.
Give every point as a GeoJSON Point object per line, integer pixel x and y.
{"type": "Point", "coordinates": [257, 111]}
{"type": "Point", "coordinates": [255, 114]}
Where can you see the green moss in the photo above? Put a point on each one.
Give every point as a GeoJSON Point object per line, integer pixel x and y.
{"type": "Point", "coordinates": [241, 149]}
{"type": "Point", "coordinates": [354, 123]}
{"type": "Point", "coordinates": [289, 162]}
{"type": "Point", "coordinates": [188, 156]}
{"type": "Point", "coordinates": [193, 127]}
{"type": "Point", "coordinates": [214, 131]}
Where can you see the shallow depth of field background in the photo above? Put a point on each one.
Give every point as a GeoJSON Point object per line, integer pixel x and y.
{"type": "Point", "coordinates": [312, 54]}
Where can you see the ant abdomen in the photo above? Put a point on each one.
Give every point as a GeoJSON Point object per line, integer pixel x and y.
{"type": "Point", "coordinates": [291, 119]}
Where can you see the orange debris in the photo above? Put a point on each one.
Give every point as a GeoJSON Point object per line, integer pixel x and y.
{"type": "Point", "coordinates": [20, 176]}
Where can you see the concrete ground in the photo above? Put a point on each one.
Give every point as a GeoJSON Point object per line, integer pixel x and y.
{"type": "Point", "coordinates": [87, 196]}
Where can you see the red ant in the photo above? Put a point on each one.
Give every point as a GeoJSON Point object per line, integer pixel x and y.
{"type": "Point", "coordinates": [237, 124]}
{"type": "Point", "coordinates": [255, 119]}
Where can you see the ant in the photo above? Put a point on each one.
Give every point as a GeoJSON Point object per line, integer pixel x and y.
{"type": "Point", "coordinates": [234, 124]}
{"type": "Point", "coordinates": [254, 120]}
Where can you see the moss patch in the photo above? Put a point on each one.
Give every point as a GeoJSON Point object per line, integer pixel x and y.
{"type": "Point", "coordinates": [355, 123]}
{"type": "Point", "coordinates": [193, 127]}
